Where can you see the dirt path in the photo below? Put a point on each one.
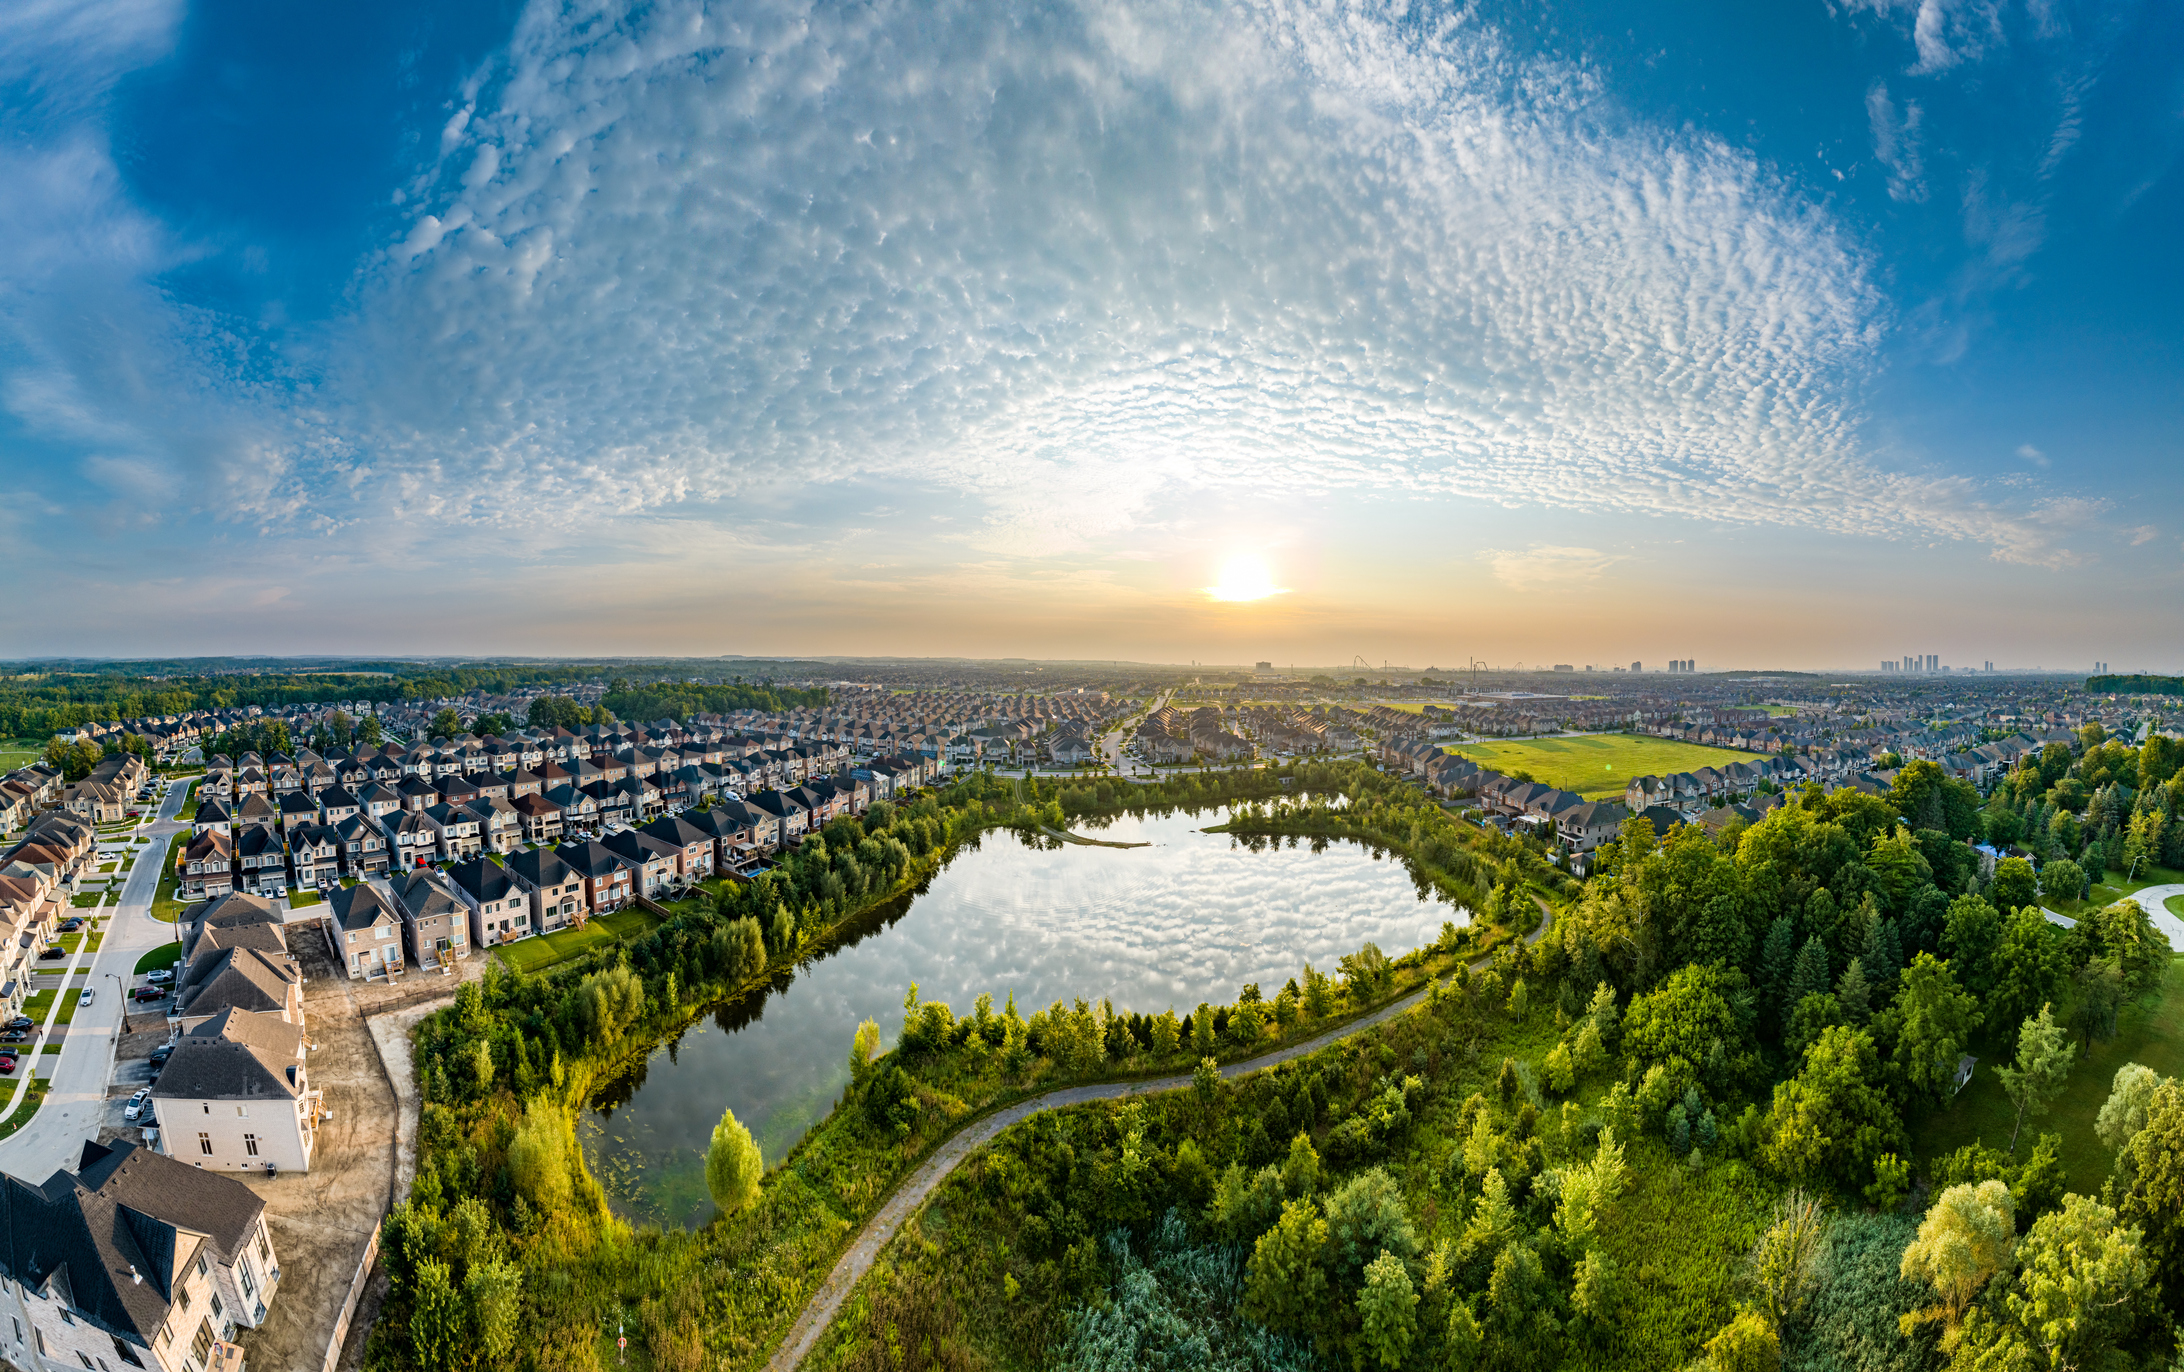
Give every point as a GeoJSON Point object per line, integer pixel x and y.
{"type": "Point", "coordinates": [850, 1268]}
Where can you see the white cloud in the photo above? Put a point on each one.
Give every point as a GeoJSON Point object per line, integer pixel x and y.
{"type": "Point", "coordinates": [1094, 260]}
{"type": "Point", "coordinates": [2143, 534]}
{"type": "Point", "coordinates": [2032, 455]}
{"type": "Point", "coordinates": [1547, 567]}
{"type": "Point", "coordinates": [1896, 143]}
{"type": "Point", "coordinates": [1945, 33]}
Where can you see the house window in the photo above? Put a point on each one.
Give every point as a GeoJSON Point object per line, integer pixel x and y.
{"type": "Point", "coordinates": [242, 1112]}
{"type": "Point", "coordinates": [126, 1353]}
{"type": "Point", "coordinates": [204, 1144]}
{"type": "Point", "coordinates": [217, 1311]}
{"type": "Point", "coordinates": [202, 1343]}
{"type": "Point", "coordinates": [250, 1144]}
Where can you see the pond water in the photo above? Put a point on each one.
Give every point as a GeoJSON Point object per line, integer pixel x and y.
{"type": "Point", "coordinates": [1191, 918]}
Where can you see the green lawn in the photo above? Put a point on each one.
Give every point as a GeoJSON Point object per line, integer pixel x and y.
{"type": "Point", "coordinates": [1597, 766]}
{"type": "Point", "coordinates": [165, 908]}
{"type": "Point", "coordinates": [165, 955]}
{"type": "Point", "coordinates": [23, 1112]}
{"type": "Point", "coordinates": [85, 899]}
{"type": "Point", "coordinates": [2150, 1032]}
{"type": "Point", "coordinates": [35, 1007]}
{"type": "Point", "coordinates": [298, 900]}
{"type": "Point", "coordinates": [531, 954]}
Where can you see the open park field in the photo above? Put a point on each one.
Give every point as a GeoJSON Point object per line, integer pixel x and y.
{"type": "Point", "coordinates": [1597, 766]}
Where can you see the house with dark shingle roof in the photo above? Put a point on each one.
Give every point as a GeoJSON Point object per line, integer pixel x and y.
{"type": "Point", "coordinates": [366, 930]}
{"type": "Point", "coordinates": [235, 1096]}
{"type": "Point", "coordinates": [133, 1260]}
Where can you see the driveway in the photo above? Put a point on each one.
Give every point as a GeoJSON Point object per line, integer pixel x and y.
{"type": "Point", "coordinates": [76, 1104]}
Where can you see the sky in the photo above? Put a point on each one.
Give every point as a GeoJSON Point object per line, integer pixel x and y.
{"type": "Point", "coordinates": [1803, 334]}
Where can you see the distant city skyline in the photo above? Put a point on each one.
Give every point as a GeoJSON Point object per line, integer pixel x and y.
{"type": "Point", "coordinates": [1785, 335]}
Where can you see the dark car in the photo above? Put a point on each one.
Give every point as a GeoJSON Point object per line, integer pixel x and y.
{"type": "Point", "coordinates": [149, 993]}
{"type": "Point", "coordinates": [71, 925]}
{"type": "Point", "coordinates": [22, 1022]}
{"type": "Point", "coordinates": [160, 1054]}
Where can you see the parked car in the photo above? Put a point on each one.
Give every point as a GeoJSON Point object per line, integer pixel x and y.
{"type": "Point", "coordinates": [22, 1022]}
{"type": "Point", "coordinates": [55, 952]}
{"type": "Point", "coordinates": [84, 998]}
{"type": "Point", "coordinates": [139, 1105]}
{"type": "Point", "coordinates": [71, 924]}
{"type": "Point", "coordinates": [7, 1064]}
{"type": "Point", "coordinates": [160, 976]}
{"type": "Point", "coordinates": [160, 1054]}
{"type": "Point", "coordinates": [149, 993]}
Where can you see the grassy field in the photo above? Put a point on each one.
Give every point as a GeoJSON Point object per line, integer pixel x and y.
{"type": "Point", "coordinates": [165, 955]}
{"type": "Point", "coordinates": [1597, 766]}
{"type": "Point", "coordinates": [19, 752]}
{"type": "Point", "coordinates": [2112, 887]}
{"type": "Point", "coordinates": [531, 954]}
{"type": "Point", "coordinates": [2150, 1032]}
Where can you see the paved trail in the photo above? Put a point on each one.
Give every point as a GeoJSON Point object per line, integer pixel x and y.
{"type": "Point", "coordinates": [882, 1227]}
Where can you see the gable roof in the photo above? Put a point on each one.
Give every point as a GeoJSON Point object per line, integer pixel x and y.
{"type": "Point", "coordinates": [235, 1055]}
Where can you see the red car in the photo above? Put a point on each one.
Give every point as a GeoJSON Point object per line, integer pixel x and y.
{"type": "Point", "coordinates": [150, 993]}
{"type": "Point", "coordinates": [7, 1065]}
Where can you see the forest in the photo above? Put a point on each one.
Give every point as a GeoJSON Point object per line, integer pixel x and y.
{"type": "Point", "coordinates": [505, 1228]}
{"type": "Point", "coordinates": [1678, 1130]}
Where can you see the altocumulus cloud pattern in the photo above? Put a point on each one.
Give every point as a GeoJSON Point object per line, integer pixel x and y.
{"type": "Point", "coordinates": [1072, 260]}
{"type": "Point", "coordinates": [1086, 256]}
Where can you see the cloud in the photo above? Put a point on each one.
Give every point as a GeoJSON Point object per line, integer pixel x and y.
{"type": "Point", "coordinates": [1546, 567]}
{"type": "Point", "coordinates": [1097, 261]}
{"type": "Point", "coordinates": [1896, 143]}
{"type": "Point", "coordinates": [2143, 534]}
{"type": "Point", "coordinates": [2032, 455]}
{"type": "Point", "coordinates": [1945, 33]}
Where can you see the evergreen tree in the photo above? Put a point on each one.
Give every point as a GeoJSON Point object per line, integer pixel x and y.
{"type": "Point", "coordinates": [1883, 959]}
{"type": "Point", "coordinates": [1808, 976]}
{"type": "Point", "coordinates": [1776, 956]}
{"type": "Point", "coordinates": [1853, 993]}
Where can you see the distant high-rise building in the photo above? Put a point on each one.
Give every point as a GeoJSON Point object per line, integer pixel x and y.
{"type": "Point", "coordinates": [1990, 665]}
{"type": "Point", "coordinates": [1933, 662]}
{"type": "Point", "coordinates": [1637, 666]}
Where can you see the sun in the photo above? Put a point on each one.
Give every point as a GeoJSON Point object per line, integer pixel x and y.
{"type": "Point", "coordinates": [1245, 578]}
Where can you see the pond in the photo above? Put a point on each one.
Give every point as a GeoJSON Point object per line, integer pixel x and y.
{"type": "Point", "coordinates": [1191, 918]}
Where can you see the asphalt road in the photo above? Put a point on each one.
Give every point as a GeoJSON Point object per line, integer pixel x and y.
{"type": "Point", "coordinates": [2154, 900]}
{"type": "Point", "coordinates": [76, 1104]}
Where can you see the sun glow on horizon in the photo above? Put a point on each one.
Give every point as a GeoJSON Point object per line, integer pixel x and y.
{"type": "Point", "coordinates": [1245, 578]}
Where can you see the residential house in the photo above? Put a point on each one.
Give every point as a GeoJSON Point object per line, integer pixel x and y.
{"type": "Point", "coordinates": [554, 890]}
{"type": "Point", "coordinates": [206, 866]}
{"type": "Point", "coordinates": [235, 1096]}
{"type": "Point", "coordinates": [606, 878]}
{"type": "Point", "coordinates": [435, 922]}
{"type": "Point", "coordinates": [134, 1260]}
{"type": "Point", "coordinates": [695, 848]}
{"type": "Point", "coordinates": [500, 911]}
{"type": "Point", "coordinates": [366, 930]}
{"type": "Point", "coordinates": [261, 860]}
{"type": "Point", "coordinates": [655, 865]}
{"type": "Point", "coordinates": [314, 857]}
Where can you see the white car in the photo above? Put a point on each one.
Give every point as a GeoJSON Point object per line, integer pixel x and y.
{"type": "Point", "coordinates": [139, 1105]}
{"type": "Point", "coordinates": [84, 998]}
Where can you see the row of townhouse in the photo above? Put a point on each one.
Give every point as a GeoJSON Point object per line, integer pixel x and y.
{"type": "Point", "coordinates": [428, 917]}
{"type": "Point", "coordinates": [38, 874]}
{"type": "Point", "coordinates": [1172, 735]}
{"type": "Point", "coordinates": [313, 839]}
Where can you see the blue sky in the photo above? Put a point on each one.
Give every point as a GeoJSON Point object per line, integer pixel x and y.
{"type": "Point", "coordinates": [1796, 334]}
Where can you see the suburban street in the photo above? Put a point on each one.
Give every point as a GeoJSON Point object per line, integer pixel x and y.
{"type": "Point", "coordinates": [76, 1105]}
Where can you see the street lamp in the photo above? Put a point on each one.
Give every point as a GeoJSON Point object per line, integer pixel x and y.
{"type": "Point", "coordinates": [123, 992]}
